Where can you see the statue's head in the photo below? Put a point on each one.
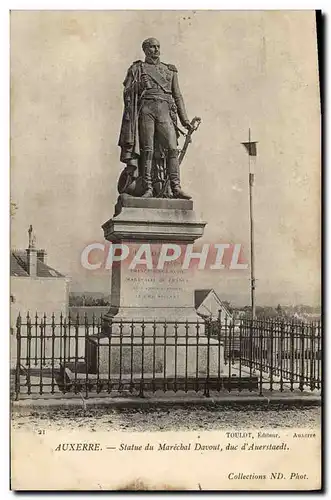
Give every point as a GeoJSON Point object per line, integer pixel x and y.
{"type": "Point", "coordinates": [151, 47]}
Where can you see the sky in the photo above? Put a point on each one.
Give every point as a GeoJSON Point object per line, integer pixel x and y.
{"type": "Point", "coordinates": [237, 70]}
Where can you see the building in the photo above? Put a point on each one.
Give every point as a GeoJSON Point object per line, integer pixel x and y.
{"type": "Point", "coordinates": [35, 286]}
{"type": "Point", "coordinates": [209, 305]}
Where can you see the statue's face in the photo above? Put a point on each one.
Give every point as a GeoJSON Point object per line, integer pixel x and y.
{"type": "Point", "coordinates": [152, 49]}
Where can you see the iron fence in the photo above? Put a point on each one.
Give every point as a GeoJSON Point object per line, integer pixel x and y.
{"type": "Point", "coordinates": [98, 357]}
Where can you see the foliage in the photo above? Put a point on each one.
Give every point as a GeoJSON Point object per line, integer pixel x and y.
{"type": "Point", "coordinates": [86, 300]}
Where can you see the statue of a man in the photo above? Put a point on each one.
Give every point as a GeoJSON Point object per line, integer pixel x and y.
{"type": "Point", "coordinates": [32, 237]}
{"type": "Point", "coordinates": [152, 101]}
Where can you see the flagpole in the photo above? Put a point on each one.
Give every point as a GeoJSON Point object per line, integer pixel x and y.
{"type": "Point", "coordinates": [251, 228]}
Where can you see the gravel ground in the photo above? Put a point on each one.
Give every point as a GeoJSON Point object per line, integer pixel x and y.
{"type": "Point", "coordinates": [188, 418]}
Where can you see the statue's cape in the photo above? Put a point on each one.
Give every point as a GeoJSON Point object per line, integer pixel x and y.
{"type": "Point", "coordinates": [129, 134]}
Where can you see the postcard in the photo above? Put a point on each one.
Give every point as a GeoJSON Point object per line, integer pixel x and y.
{"type": "Point", "coordinates": [165, 297]}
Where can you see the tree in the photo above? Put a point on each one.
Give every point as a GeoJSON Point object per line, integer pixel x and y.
{"type": "Point", "coordinates": [227, 304]}
{"type": "Point", "coordinates": [279, 310]}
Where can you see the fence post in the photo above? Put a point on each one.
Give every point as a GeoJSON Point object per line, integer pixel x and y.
{"type": "Point", "coordinates": [110, 359]}
{"type": "Point", "coordinates": [206, 392]}
{"type": "Point", "coordinates": [69, 337]}
{"type": "Point", "coordinates": [120, 353]}
{"type": "Point", "coordinates": [93, 321]}
{"type": "Point", "coordinates": [53, 352]}
{"type": "Point", "coordinates": [61, 341]}
{"type": "Point", "coordinates": [197, 385]}
{"type": "Point", "coordinates": [36, 339]}
{"type": "Point", "coordinates": [141, 390]}
{"type": "Point", "coordinates": [219, 338]}
{"type": "Point", "coordinates": [86, 332]}
{"type": "Point", "coordinates": [271, 368]}
{"type": "Point", "coordinates": [45, 338]}
{"type": "Point", "coordinates": [186, 353]}
{"type": "Point", "coordinates": [228, 328]}
{"type": "Point", "coordinates": [175, 349]}
{"type": "Point", "coordinates": [251, 353]}
{"type": "Point", "coordinates": [41, 325]}
{"type": "Point", "coordinates": [302, 356]}
{"type": "Point", "coordinates": [261, 338]}
{"type": "Point", "coordinates": [292, 335]}
{"type": "Point", "coordinates": [244, 341]}
{"type": "Point", "coordinates": [154, 353]}
{"type": "Point", "coordinates": [319, 360]}
{"type": "Point", "coordinates": [165, 385]}
{"type": "Point", "coordinates": [131, 356]}
{"type": "Point", "coordinates": [28, 351]}
{"type": "Point", "coordinates": [18, 356]}
{"type": "Point", "coordinates": [255, 339]}
{"type": "Point", "coordinates": [64, 325]}
{"type": "Point", "coordinates": [240, 352]}
{"type": "Point", "coordinates": [225, 342]}
{"type": "Point", "coordinates": [76, 350]}
{"type": "Point", "coordinates": [280, 353]}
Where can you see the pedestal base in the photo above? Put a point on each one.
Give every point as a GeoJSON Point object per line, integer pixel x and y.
{"type": "Point", "coordinates": [157, 219]}
{"type": "Point", "coordinates": [169, 356]}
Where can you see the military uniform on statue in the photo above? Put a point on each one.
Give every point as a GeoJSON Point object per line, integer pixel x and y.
{"type": "Point", "coordinates": [149, 131]}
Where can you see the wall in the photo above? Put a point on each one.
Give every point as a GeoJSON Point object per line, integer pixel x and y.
{"type": "Point", "coordinates": [41, 295]}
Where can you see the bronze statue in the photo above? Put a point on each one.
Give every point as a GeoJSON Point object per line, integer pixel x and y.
{"type": "Point", "coordinates": [149, 133]}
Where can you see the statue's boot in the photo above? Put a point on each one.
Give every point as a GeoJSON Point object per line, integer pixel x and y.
{"type": "Point", "coordinates": [148, 179]}
{"type": "Point", "coordinates": [173, 169]}
{"type": "Point", "coordinates": [179, 193]}
{"type": "Point", "coordinates": [148, 193]}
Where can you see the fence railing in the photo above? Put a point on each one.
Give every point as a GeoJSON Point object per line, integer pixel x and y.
{"type": "Point", "coordinates": [283, 353]}
{"type": "Point", "coordinates": [77, 356]}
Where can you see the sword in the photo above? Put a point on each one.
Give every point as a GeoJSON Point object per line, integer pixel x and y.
{"type": "Point", "coordinates": [188, 139]}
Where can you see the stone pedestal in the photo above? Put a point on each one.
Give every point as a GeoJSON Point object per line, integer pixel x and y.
{"type": "Point", "coordinates": [152, 327]}
{"type": "Point", "coordinates": [157, 356]}
{"type": "Point", "coordinates": [142, 293]}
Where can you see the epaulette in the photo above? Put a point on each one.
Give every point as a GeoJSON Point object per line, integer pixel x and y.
{"type": "Point", "coordinates": [172, 67]}
{"type": "Point", "coordinates": [134, 66]}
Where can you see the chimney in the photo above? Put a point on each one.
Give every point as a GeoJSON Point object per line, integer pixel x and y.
{"type": "Point", "coordinates": [32, 261]}
{"type": "Point", "coordinates": [31, 253]}
{"type": "Point", "coordinates": [42, 255]}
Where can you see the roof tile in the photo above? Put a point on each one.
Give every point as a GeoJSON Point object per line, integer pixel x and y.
{"type": "Point", "coordinates": [19, 266]}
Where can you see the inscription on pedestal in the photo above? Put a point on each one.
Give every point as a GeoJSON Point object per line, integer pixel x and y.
{"type": "Point", "coordinates": [145, 285]}
{"type": "Point", "coordinates": [167, 285]}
